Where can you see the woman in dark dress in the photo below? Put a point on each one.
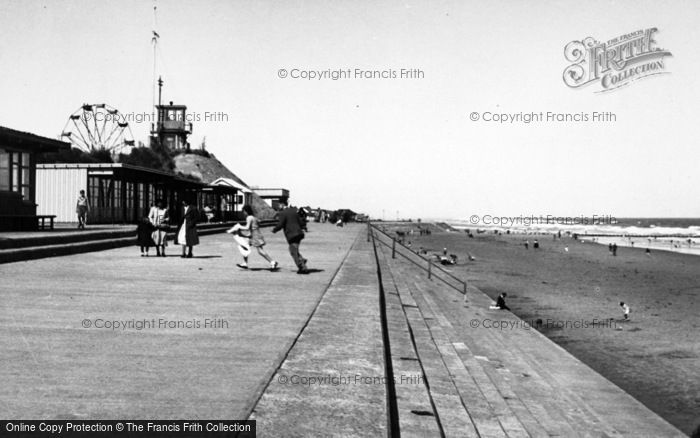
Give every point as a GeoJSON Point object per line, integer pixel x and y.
{"type": "Point", "coordinates": [143, 236]}
{"type": "Point", "coordinates": [187, 232]}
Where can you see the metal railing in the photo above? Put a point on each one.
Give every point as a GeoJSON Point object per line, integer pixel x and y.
{"type": "Point", "coordinates": [424, 263]}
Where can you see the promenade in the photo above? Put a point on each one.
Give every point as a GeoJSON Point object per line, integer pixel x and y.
{"type": "Point", "coordinates": [366, 345]}
{"type": "Point", "coordinates": [53, 367]}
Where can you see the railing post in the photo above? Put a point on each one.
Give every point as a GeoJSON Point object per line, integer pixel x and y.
{"type": "Point", "coordinates": [393, 248]}
{"type": "Point", "coordinates": [430, 269]}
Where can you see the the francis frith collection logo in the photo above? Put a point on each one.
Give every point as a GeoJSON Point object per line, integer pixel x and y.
{"type": "Point", "coordinates": [614, 63]}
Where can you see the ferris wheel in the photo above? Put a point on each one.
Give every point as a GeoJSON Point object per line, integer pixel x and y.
{"type": "Point", "coordinates": [98, 127]}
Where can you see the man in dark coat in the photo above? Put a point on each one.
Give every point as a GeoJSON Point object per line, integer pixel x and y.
{"type": "Point", "coordinates": [294, 225]}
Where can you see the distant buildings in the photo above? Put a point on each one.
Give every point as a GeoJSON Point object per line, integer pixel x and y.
{"type": "Point", "coordinates": [122, 193]}
{"type": "Point", "coordinates": [272, 197]}
{"type": "Point", "coordinates": [18, 208]}
{"type": "Point", "coordinates": [171, 128]}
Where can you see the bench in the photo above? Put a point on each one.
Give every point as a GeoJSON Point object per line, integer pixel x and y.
{"type": "Point", "coordinates": [41, 224]}
{"type": "Point", "coordinates": [26, 222]}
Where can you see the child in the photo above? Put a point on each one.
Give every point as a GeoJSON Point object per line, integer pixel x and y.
{"type": "Point", "coordinates": [625, 310]}
{"type": "Point", "coordinates": [242, 238]}
{"type": "Point", "coordinates": [248, 236]}
{"type": "Point", "coordinates": [143, 236]}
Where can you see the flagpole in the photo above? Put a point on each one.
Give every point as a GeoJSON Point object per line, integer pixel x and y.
{"type": "Point", "coordinates": [154, 40]}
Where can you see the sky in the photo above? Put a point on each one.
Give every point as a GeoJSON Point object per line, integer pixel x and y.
{"type": "Point", "coordinates": [388, 147]}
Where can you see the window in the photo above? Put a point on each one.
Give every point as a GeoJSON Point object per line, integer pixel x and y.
{"type": "Point", "coordinates": [4, 170]}
{"type": "Point", "coordinates": [117, 184]}
{"type": "Point", "coordinates": [25, 178]}
{"type": "Point", "coordinates": [15, 172]}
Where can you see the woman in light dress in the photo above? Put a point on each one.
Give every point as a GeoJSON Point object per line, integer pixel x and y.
{"type": "Point", "coordinates": [249, 235]}
{"type": "Point", "coordinates": [159, 218]}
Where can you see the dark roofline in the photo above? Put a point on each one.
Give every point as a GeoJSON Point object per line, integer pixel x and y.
{"type": "Point", "coordinates": [97, 166]}
{"type": "Point", "coordinates": [101, 166]}
{"type": "Point", "coordinates": [33, 142]}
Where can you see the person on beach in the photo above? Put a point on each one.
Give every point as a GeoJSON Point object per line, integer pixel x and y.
{"type": "Point", "coordinates": [289, 220]}
{"type": "Point", "coordinates": [249, 235]}
{"type": "Point", "coordinates": [501, 302]}
{"type": "Point", "coordinates": [536, 244]}
{"type": "Point", "coordinates": [625, 310]}
{"type": "Point", "coordinates": [610, 247]}
{"type": "Point", "coordinates": [82, 207]}
{"type": "Point", "coordinates": [160, 219]}
{"type": "Point", "coordinates": [187, 232]}
{"type": "Point", "coordinates": [527, 244]}
{"type": "Point", "coordinates": [614, 249]}
{"type": "Point", "coordinates": [143, 236]}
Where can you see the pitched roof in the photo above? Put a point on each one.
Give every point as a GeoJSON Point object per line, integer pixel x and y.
{"type": "Point", "coordinates": [207, 169]}
{"type": "Point", "coordinates": [12, 137]}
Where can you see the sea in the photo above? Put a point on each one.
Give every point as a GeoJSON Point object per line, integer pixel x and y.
{"type": "Point", "coordinates": [666, 234]}
{"type": "Point", "coordinates": [625, 227]}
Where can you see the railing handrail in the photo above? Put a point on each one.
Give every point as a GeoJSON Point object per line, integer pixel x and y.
{"type": "Point", "coordinates": [430, 262]}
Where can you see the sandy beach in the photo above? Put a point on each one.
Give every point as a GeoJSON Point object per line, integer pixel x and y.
{"type": "Point", "coordinates": [574, 288]}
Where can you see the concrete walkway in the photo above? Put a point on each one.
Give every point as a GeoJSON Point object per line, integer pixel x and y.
{"type": "Point", "coordinates": [333, 381]}
{"type": "Point", "coordinates": [231, 330]}
{"type": "Point", "coordinates": [302, 355]}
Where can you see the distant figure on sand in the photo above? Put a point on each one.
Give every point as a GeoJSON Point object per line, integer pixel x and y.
{"type": "Point", "coordinates": [501, 302]}
{"type": "Point", "coordinates": [444, 260]}
{"type": "Point", "coordinates": [143, 236]}
{"type": "Point", "coordinates": [82, 207]}
{"type": "Point", "coordinates": [255, 239]}
{"type": "Point", "coordinates": [536, 244]}
{"type": "Point", "coordinates": [614, 249]}
{"type": "Point", "coordinates": [610, 247]}
{"type": "Point", "coordinates": [625, 310]}
{"type": "Point", "coordinates": [294, 226]}
{"type": "Point", "coordinates": [527, 244]}
{"type": "Point", "coordinates": [187, 232]}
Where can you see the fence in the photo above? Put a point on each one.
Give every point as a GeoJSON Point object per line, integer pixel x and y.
{"type": "Point", "coordinates": [426, 264]}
